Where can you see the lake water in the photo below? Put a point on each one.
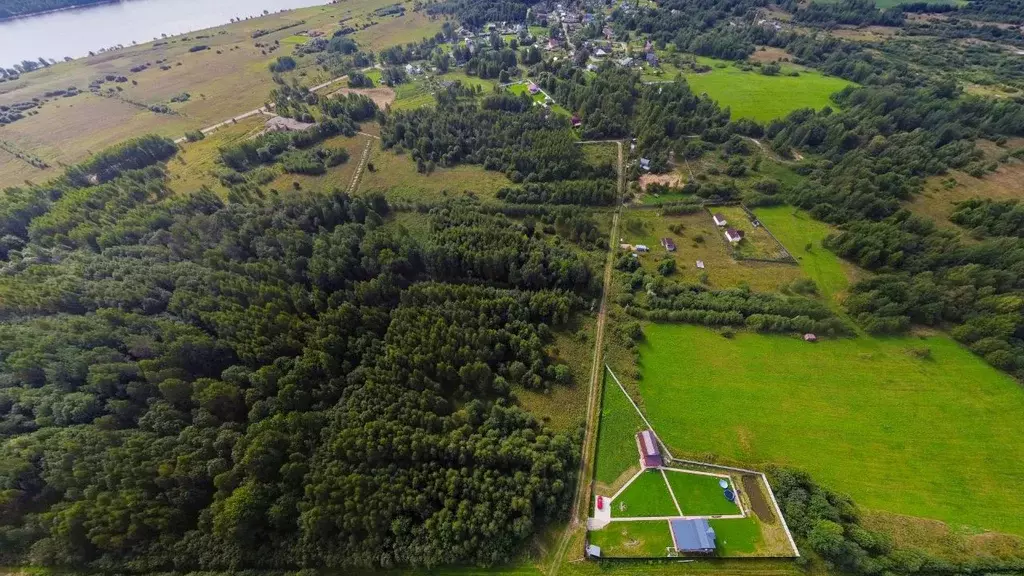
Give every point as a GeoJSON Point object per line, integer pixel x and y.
{"type": "Point", "coordinates": [76, 32]}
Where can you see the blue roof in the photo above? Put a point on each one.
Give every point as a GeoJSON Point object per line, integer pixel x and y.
{"type": "Point", "coordinates": [693, 535]}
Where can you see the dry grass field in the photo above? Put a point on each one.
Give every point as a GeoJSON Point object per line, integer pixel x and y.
{"type": "Point", "coordinates": [395, 175]}
{"type": "Point", "coordinates": [229, 78]}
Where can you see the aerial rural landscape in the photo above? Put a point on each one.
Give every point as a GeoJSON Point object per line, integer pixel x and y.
{"type": "Point", "coordinates": [520, 287]}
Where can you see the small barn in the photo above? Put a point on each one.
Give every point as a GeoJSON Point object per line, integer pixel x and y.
{"type": "Point", "coordinates": [733, 235]}
{"type": "Point", "coordinates": [719, 219]}
{"type": "Point", "coordinates": [668, 244]}
{"type": "Point", "coordinates": [693, 536]}
{"type": "Point", "coordinates": [650, 454]}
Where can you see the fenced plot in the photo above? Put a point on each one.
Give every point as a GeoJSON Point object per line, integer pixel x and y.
{"type": "Point", "coordinates": [757, 241]}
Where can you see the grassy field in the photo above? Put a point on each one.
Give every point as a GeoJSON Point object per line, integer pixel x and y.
{"type": "Point", "coordinates": [398, 30]}
{"type": "Point", "coordinates": [700, 495]}
{"type": "Point", "coordinates": [617, 454]}
{"type": "Point", "coordinates": [924, 437]}
{"type": "Point", "coordinates": [633, 539]}
{"type": "Point", "coordinates": [395, 175]}
{"type": "Point", "coordinates": [647, 496]}
{"type": "Point", "coordinates": [757, 242]}
{"type": "Point", "coordinates": [699, 239]}
{"type": "Point", "coordinates": [759, 97]}
{"type": "Point", "coordinates": [412, 95]}
{"type": "Point", "coordinates": [601, 154]}
{"type": "Point", "coordinates": [197, 163]}
{"type": "Point", "coordinates": [802, 236]}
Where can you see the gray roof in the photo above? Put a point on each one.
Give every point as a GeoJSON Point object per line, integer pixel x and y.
{"type": "Point", "coordinates": [693, 535]}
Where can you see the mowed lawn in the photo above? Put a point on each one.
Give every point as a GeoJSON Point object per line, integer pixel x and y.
{"type": "Point", "coordinates": [641, 539]}
{"type": "Point", "coordinates": [935, 438]}
{"type": "Point", "coordinates": [700, 495]}
{"type": "Point", "coordinates": [758, 97]}
{"type": "Point", "coordinates": [645, 497]}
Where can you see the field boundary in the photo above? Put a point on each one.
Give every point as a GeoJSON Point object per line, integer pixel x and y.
{"type": "Point", "coordinates": [763, 476]}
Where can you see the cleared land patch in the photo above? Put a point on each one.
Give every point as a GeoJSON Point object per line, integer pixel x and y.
{"type": "Point", "coordinates": [395, 176]}
{"type": "Point", "coordinates": [865, 416]}
{"type": "Point", "coordinates": [760, 97]}
{"type": "Point", "coordinates": [757, 243]}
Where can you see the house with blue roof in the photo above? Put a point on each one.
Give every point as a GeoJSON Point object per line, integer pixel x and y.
{"type": "Point", "coordinates": [693, 536]}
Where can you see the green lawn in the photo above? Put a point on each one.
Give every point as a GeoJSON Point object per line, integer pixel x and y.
{"type": "Point", "coordinates": [647, 496]}
{"type": "Point", "coordinates": [802, 236]}
{"type": "Point", "coordinates": [633, 539]}
{"type": "Point", "coordinates": [700, 495]}
{"type": "Point", "coordinates": [759, 97]}
{"type": "Point", "coordinates": [736, 536]}
{"type": "Point", "coordinates": [934, 437]}
{"type": "Point", "coordinates": [616, 435]}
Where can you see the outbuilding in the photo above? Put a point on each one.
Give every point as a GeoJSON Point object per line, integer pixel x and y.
{"type": "Point", "coordinates": [650, 453]}
{"type": "Point", "coordinates": [719, 219]}
{"type": "Point", "coordinates": [668, 244]}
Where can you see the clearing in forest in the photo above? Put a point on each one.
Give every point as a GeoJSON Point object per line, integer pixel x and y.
{"type": "Point", "coordinates": [751, 94]}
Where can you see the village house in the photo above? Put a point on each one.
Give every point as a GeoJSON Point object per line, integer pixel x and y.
{"type": "Point", "coordinates": [693, 535]}
{"type": "Point", "coordinates": [733, 235]}
{"type": "Point", "coordinates": [668, 244]}
{"type": "Point", "coordinates": [719, 219]}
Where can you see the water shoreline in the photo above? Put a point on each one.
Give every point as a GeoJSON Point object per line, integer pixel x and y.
{"type": "Point", "coordinates": [56, 10]}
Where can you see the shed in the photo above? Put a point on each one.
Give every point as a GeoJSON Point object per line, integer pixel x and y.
{"type": "Point", "coordinates": [650, 454]}
{"type": "Point", "coordinates": [641, 248]}
{"type": "Point", "coordinates": [600, 53]}
{"type": "Point", "coordinates": [593, 551]}
{"type": "Point", "coordinates": [645, 163]}
{"type": "Point", "coordinates": [810, 337]}
{"type": "Point", "coordinates": [668, 244]}
{"type": "Point", "coordinates": [694, 536]}
{"type": "Point", "coordinates": [719, 219]}
{"type": "Point", "coordinates": [652, 58]}
{"type": "Point", "coordinates": [733, 235]}
{"type": "Point", "coordinates": [534, 88]}
{"type": "Point", "coordinates": [576, 121]}
{"type": "Point", "coordinates": [700, 264]}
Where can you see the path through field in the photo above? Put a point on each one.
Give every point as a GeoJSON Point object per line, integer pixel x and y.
{"type": "Point", "coordinates": [580, 505]}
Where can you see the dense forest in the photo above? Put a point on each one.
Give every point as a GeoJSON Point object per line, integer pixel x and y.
{"type": "Point", "coordinates": [187, 384]}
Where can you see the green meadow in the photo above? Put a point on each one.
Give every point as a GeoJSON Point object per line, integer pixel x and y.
{"type": "Point", "coordinates": [915, 426]}
{"type": "Point", "coordinates": [750, 94]}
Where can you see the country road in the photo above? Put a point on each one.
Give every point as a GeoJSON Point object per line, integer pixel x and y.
{"type": "Point", "coordinates": [581, 501]}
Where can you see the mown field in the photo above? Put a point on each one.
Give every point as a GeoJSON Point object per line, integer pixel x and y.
{"type": "Point", "coordinates": [617, 456]}
{"type": "Point", "coordinates": [916, 426]}
{"type": "Point", "coordinates": [762, 98]}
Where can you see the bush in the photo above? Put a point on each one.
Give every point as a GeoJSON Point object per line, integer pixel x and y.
{"type": "Point", "coordinates": [194, 136]}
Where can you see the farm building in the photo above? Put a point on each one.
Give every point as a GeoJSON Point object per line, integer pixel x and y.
{"type": "Point", "coordinates": [650, 454]}
{"type": "Point", "coordinates": [693, 536]}
{"type": "Point", "coordinates": [719, 219]}
{"type": "Point", "coordinates": [668, 244]}
{"type": "Point", "coordinates": [733, 235]}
